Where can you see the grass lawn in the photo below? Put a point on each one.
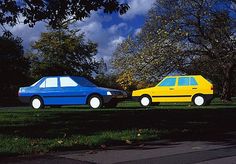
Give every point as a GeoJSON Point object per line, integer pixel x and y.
{"type": "Point", "coordinates": [27, 131]}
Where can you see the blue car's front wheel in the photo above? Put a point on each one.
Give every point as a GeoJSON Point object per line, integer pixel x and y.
{"type": "Point", "coordinates": [95, 102]}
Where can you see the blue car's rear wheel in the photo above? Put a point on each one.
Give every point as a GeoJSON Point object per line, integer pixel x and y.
{"type": "Point", "coordinates": [37, 102]}
{"type": "Point", "coordinates": [95, 102]}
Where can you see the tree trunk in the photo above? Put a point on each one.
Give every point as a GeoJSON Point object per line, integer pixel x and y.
{"type": "Point", "coordinates": [226, 92]}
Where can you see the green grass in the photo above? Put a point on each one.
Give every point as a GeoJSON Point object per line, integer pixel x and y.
{"type": "Point", "coordinates": [13, 144]}
{"type": "Point", "coordinates": [27, 131]}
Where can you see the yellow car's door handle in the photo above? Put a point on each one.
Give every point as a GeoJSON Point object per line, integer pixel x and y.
{"type": "Point", "coordinates": [171, 88]}
{"type": "Point", "coordinates": [194, 88]}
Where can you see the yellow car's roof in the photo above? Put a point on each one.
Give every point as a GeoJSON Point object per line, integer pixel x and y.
{"type": "Point", "coordinates": [183, 76]}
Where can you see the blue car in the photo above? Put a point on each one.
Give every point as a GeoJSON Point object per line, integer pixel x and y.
{"type": "Point", "coordinates": [69, 90]}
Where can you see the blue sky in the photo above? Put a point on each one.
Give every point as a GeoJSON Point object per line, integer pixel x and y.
{"type": "Point", "coordinates": [106, 30]}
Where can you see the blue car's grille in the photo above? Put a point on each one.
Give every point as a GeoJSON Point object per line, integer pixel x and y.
{"type": "Point", "coordinates": [118, 93]}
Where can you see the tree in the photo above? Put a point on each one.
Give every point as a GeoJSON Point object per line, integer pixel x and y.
{"type": "Point", "coordinates": [54, 11]}
{"type": "Point", "coordinates": [147, 57]}
{"type": "Point", "coordinates": [187, 36]}
{"type": "Point", "coordinates": [107, 80]}
{"type": "Point", "coordinates": [63, 52]}
{"type": "Point", "coordinates": [208, 36]}
{"type": "Point", "coordinates": [214, 51]}
{"type": "Point", "coordinates": [14, 67]}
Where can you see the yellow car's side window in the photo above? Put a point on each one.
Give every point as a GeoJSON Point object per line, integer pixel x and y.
{"type": "Point", "coordinates": [167, 82]}
{"type": "Point", "coordinates": [193, 81]}
{"type": "Point", "coordinates": [183, 81]}
{"type": "Point", "coordinates": [186, 81]}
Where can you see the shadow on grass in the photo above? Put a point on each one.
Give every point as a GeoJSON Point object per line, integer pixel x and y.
{"type": "Point", "coordinates": [184, 124]}
{"type": "Point", "coordinates": [214, 125]}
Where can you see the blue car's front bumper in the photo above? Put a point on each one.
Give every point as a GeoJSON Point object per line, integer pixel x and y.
{"type": "Point", "coordinates": [24, 99]}
{"type": "Point", "coordinates": [108, 98]}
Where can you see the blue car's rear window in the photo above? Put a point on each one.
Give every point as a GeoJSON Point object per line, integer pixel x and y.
{"type": "Point", "coordinates": [83, 82]}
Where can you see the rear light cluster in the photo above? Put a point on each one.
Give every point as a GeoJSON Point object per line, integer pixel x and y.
{"type": "Point", "coordinates": [19, 91]}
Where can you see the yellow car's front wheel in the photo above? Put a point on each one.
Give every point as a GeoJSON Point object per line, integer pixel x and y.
{"type": "Point", "coordinates": [145, 100]}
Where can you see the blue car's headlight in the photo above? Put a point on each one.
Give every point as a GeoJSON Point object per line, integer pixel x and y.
{"type": "Point", "coordinates": [109, 93]}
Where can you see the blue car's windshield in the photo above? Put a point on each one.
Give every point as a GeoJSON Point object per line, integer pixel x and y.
{"type": "Point", "coordinates": [35, 83]}
{"type": "Point", "coordinates": [83, 82]}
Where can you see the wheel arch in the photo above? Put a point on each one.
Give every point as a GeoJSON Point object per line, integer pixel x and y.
{"type": "Point", "coordinates": [145, 95]}
{"type": "Point", "coordinates": [197, 94]}
{"type": "Point", "coordinates": [36, 95]}
{"type": "Point", "coordinates": [93, 94]}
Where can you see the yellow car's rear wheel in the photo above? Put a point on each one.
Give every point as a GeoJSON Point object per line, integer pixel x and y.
{"type": "Point", "coordinates": [145, 100]}
{"type": "Point", "coordinates": [199, 100]}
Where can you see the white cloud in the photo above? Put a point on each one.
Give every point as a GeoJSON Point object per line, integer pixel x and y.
{"type": "Point", "coordinates": [114, 28]}
{"type": "Point", "coordinates": [137, 31]}
{"type": "Point", "coordinates": [106, 37]}
{"type": "Point", "coordinates": [233, 6]}
{"type": "Point", "coordinates": [107, 50]}
{"type": "Point", "coordinates": [117, 41]}
{"type": "Point", "coordinates": [27, 33]}
{"type": "Point", "coordinates": [138, 7]}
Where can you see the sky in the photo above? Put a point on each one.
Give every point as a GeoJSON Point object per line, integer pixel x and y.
{"type": "Point", "coordinates": [104, 29]}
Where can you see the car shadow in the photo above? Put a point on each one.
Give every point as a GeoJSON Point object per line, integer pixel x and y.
{"type": "Point", "coordinates": [214, 125]}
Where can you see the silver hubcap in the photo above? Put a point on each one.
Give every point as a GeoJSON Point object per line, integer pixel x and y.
{"type": "Point", "coordinates": [145, 101]}
{"type": "Point", "coordinates": [199, 100]}
{"type": "Point", "coordinates": [36, 103]}
{"type": "Point", "coordinates": [95, 102]}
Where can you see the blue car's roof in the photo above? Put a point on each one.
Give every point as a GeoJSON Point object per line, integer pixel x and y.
{"type": "Point", "coordinates": [82, 81]}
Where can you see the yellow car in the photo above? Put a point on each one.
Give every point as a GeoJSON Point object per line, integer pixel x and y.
{"type": "Point", "coordinates": [193, 88]}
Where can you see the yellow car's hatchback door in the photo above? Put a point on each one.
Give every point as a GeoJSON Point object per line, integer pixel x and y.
{"type": "Point", "coordinates": [165, 90]}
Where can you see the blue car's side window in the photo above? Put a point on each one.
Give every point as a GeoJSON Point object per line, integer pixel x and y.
{"type": "Point", "coordinates": [49, 83]}
{"type": "Point", "coordinates": [67, 82]}
{"type": "Point", "coordinates": [193, 81]}
{"type": "Point", "coordinates": [183, 81]}
{"type": "Point", "coordinates": [168, 82]}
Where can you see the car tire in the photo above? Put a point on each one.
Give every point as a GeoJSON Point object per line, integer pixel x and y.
{"type": "Point", "coordinates": [199, 100]}
{"type": "Point", "coordinates": [145, 101]}
{"type": "Point", "coordinates": [37, 103]}
{"type": "Point", "coordinates": [95, 102]}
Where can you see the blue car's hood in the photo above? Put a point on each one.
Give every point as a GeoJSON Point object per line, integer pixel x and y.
{"type": "Point", "coordinates": [108, 89]}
